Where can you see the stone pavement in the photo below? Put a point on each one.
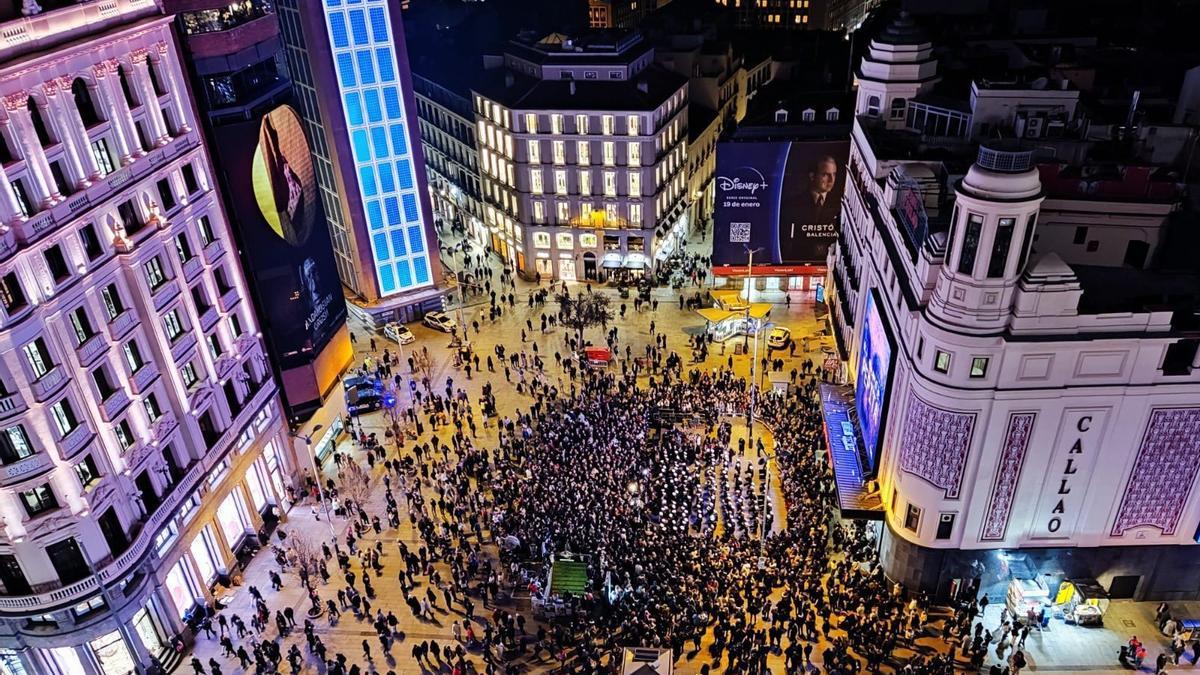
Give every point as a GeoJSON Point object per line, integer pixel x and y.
{"type": "Point", "coordinates": [1061, 649]}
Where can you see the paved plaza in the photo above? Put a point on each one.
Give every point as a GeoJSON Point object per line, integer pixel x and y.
{"type": "Point", "coordinates": [1060, 649]}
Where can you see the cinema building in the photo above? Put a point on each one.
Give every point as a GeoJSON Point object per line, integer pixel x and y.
{"type": "Point", "coordinates": [1022, 356]}
{"type": "Point", "coordinates": [141, 438]}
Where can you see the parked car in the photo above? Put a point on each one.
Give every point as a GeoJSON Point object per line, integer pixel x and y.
{"type": "Point", "coordinates": [398, 333]}
{"type": "Point", "coordinates": [779, 338]}
{"type": "Point", "coordinates": [440, 321]}
{"type": "Point", "coordinates": [362, 395]}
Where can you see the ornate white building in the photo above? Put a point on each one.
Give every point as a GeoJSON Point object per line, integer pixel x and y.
{"type": "Point", "coordinates": [140, 430]}
{"type": "Point", "coordinates": [1033, 416]}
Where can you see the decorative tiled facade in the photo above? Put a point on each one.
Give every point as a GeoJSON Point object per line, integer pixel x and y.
{"type": "Point", "coordinates": [1163, 473]}
{"type": "Point", "coordinates": [935, 443]}
{"type": "Point", "coordinates": [1008, 472]}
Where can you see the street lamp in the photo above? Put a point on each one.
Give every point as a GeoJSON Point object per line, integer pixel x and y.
{"type": "Point", "coordinates": [312, 459]}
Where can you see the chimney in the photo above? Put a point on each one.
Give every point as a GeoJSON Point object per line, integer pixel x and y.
{"type": "Point", "coordinates": [572, 85]}
{"type": "Point", "coordinates": [643, 86]}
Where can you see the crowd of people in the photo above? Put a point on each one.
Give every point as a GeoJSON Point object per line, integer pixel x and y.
{"type": "Point", "coordinates": [721, 546]}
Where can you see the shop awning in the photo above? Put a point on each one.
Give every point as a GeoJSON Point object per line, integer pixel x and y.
{"type": "Point", "coordinates": [635, 261]}
{"type": "Point", "coordinates": [611, 260]}
{"type": "Point", "coordinates": [856, 498]}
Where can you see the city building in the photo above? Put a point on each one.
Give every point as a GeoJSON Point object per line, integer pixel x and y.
{"type": "Point", "coordinates": [234, 55]}
{"type": "Point", "coordinates": [1023, 354]}
{"type": "Point", "coordinates": [583, 154]}
{"type": "Point", "coordinates": [349, 67]}
{"type": "Point", "coordinates": [143, 438]}
{"type": "Point", "coordinates": [447, 122]}
{"type": "Point", "coordinates": [786, 15]}
{"type": "Point", "coordinates": [624, 14]}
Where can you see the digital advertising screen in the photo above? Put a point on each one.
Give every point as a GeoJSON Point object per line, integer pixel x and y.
{"type": "Point", "coordinates": [874, 377]}
{"type": "Point", "coordinates": [781, 197]}
{"type": "Point", "coordinates": [283, 232]}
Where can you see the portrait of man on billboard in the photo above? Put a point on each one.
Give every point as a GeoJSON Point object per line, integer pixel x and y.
{"type": "Point", "coordinates": [811, 199]}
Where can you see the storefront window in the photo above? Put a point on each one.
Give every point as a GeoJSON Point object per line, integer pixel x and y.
{"type": "Point", "coordinates": [180, 587]}
{"type": "Point", "coordinates": [274, 466]}
{"type": "Point", "coordinates": [10, 663]}
{"type": "Point", "coordinates": [112, 654]}
{"type": "Point", "coordinates": [65, 660]}
{"type": "Point", "coordinates": [204, 560]}
{"type": "Point", "coordinates": [255, 486]}
{"type": "Point", "coordinates": [229, 517]}
{"type": "Point", "coordinates": [143, 623]}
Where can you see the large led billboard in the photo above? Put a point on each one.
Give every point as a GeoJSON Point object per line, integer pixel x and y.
{"type": "Point", "coordinates": [283, 233]}
{"type": "Point", "coordinates": [781, 197]}
{"type": "Point", "coordinates": [874, 378]}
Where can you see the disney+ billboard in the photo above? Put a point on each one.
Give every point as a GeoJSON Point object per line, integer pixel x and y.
{"type": "Point", "coordinates": [782, 197]}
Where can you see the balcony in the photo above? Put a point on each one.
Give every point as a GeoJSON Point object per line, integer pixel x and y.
{"type": "Point", "coordinates": [228, 300]}
{"type": "Point", "coordinates": [165, 293]}
{"type": "Point", "coordinates": [10, 405]}
{"type": "Point", "coordinates": [182, 346]}
{"type": "Point", "coordinates": [213, 251]}
{"type": "Point", "coordinates": [192, 268]}
{"type": "Point", "coordinates": [92, 348]}
{"type": "Point", "coordinates": [209, 318]}
{"type": "Point", "coordinates": [144, 377]}
{"type": "Point", "coordinates": [46, 385]}
{"type": "Point", "coordinates": [224, 366]}
{"type": "Point", "coordinates": [120, 326]}
{"type": "Point", "coordinates": [115, 403]}
{"type": "Point", "coordinates": [232, 38]}
{"type": "Point", "coordinates": [74, 441]}
{"type": "Point", "coordinates": [32, 465]}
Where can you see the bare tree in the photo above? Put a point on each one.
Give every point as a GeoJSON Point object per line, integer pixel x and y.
{"type": "Point", "coordinates": [583, 311]}
{"type": "Point", "coordinates": [354, 483]}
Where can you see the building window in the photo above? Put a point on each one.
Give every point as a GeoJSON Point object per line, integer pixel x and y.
{"type": "Point", "coordinates": [189, 179]}
{"type": "Point", "coordinates": [87, 472]}
{"type": "Point", "coordinates": [634, 154]}
{"type": "Point", "coordinates": [633, 124]}
{"type": "Point", "coordinates": [535, 181]}
{"type": "Point", "coordinates": [166, 194]}
{"type": "Point", "coordinates": [205, 228]}
{"type": "Point", "coordinates": [635, 214]}
{"type": "Point", "coordinates": [873, 106]}
{"type": "Point", "coordinates": [39, 500]}
{"type": "Point", "coordinates": [534, 150]}
{"type": "Point", "coordinates": [173, 325]}
{"type": "Point", "coordinates": [188, 371]}
{"type": "Point", "coordinates": [235, 325]}
{"type": "Point", "coordinates": [831, 115]}
{"type": "Point", "coordinates": [1081, 233]}
{"type": "Point", "coordinates": [200, 299]}
{"type": "Point", "coordinates": [1003, 241]}
{"type": "Point", "coordinates": [898, 108]}
{"type": "Point", "coordinates": [91, 243]}
{"type": "Point", "coordinates": [133, 356]}
{"type": "Point", "coordinates": [941, 361]}
{"type": "Point", "coordinates": [585, 183]}
{"type": "Point", "coordinates": [154, 273]}
{"type": "Point", "coordinates": [539, 212]}
{"type": "Point", "coordinates": [979, 366]}
{"type": "Point", "coordinates": [14, 445]}
{"type": "Point", "coordinates": [214, 346]}
{"type": "Point", "coordinates": [153, 410]}
{"type": "Point", "coordinates": [21, 195]}
{"type": "Point", "coordinates": [112, 301]}
{"type": "Point", "coordinates": [945, 526]}
{"type": "Point", "coordinates": [103, 156]}
{"type": "Point", "coordinates": [183, 248]}
{"type": "Point", "coordinates": [912, 518]}
{"type": "Point", "coordinates": [81, 325]}
{"type": "Point", "coordinates": [581, 124]}
{"type": "Point", "coordinates": [39, 125]}
{"type": "Point", "coordinates": [560, 182]}
{"type": "Point", "coordinates": [606, 125]}
{"type": "Point", "coordinates": [11, 293]}
{"type": "Point", "coordinates": [966, 258]}
{"type": "Point", "coordinates": [64, 417]}
{"type": "Point", "coordinates": [583, 153]}
{"type": "Point", "coordinates": [124, 434]}
{"type": "Point", "coordinates": [38, 358]}
{"type": "Point", "coordinates": [57, 263]}
{"type": "Point", "coordinates": [808, 115]}
{"type": "Point", "coordinates": [103, 382]}
{"type": "Point", "coordinates": [556, 124]}
{"type": "Point", "coordinates": [61, 184]}
{"type": "Point", "coordinates": [609, 153]}
{"type": "Point", "coordinates": [610, 183]}
{"type": "Point", "coordinates": [635, 184]}
{"type": "Point", "coordinates": [541, 240]}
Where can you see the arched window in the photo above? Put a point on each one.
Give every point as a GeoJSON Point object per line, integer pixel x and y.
{"type": "Point", "coordinates": [39, 125]}
{"type": "Point", "coordinates": [898, 108]}
{"type": "Point", "coordinates": [83, 101]}
{"type": "Point", "coordinates": [125, 88]}
{"type": "Point", "coordinates": [873, 106]}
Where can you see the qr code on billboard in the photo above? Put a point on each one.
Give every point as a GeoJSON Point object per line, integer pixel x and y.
{"type": "Point", "coordinates": [739, 233]}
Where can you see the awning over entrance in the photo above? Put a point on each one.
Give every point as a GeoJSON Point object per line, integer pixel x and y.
{"type": "Point", "coordinates": [635, 261]}
{"type": "Point", "coordinates": [856, 499]}
{"type": "Point", "coordinates": [611, 260]}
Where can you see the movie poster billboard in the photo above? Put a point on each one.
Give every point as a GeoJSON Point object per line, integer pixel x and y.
{"type": "Point", "coordinates": [781, 198]}
{"type": "Point", "coordinates": [283, 231]}
{"type": "Point", "coordinates": [874, 378]}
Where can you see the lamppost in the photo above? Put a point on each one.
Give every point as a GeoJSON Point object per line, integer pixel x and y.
{"type": "Point", "coordinates": [312, 460]}
{"type": "Point", "coordinates": [749, 287]}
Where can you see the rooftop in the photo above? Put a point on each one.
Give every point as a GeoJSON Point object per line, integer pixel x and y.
{"type": "Point", "coordinates": [1108, 290]}
{"type": "Point", "coordinates": [646, 91]}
